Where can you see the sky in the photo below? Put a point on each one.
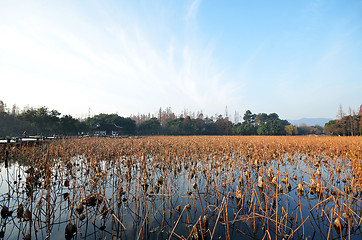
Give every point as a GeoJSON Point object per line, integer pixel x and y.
{"type": "Point", "coordinates": [295, 58]}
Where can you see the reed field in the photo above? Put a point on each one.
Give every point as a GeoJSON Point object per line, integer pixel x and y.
{"type": "Point", "coordinates": [183, 187]}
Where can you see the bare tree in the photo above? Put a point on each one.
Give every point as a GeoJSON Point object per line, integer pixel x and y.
{"type": "Point", "coordinates": [351, 121]}
{"type": "Point", "coordinates": [341, 120]}
{"type": "Point", "coordinates": [237, 117]}
{"type": "Point", "coordinates": [200, 115]}
{"type": "Point", "coordinates": [340, 113]}
{"type": "Point", "coordinates": [14, 110]}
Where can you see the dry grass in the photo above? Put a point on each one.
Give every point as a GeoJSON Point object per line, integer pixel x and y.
{"type": "Point", "coordinates": [201, 187]}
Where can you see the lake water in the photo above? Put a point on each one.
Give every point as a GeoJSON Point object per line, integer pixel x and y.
{"type": "Point", "coordinates": [196, 197]}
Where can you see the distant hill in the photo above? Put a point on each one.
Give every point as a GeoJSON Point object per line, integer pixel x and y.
{"type": "Point", "coordinates": [310, 121]}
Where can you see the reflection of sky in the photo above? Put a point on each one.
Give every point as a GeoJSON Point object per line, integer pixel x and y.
{"type": "Point", "coordinates": [10, 174]}
{"type": "Point", "coordinates": [162, 209]}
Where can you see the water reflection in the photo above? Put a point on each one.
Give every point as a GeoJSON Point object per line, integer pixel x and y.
{"type": "Point", "coordinates": [196, 196]}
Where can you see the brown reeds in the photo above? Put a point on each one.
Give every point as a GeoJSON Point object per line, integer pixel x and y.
{"type": "Point", "coordinates": [185, 187]}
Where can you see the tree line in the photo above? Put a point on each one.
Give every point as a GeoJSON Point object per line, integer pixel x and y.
{"type": "Point", "coordinates": [345, 125]}
{"type": "Point", "coordinates": [46, 122]}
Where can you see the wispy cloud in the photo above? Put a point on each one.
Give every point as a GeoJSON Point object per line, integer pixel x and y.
{"type": "Point", "coordinates": [192, 10]}
{"type": "Point", "coordinates": [123, 69]}
{"type": "Point", "coordinates": [137, 56]}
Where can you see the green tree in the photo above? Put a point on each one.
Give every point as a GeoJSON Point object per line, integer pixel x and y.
{"type": "Point", "coordinates": [68, 125]}
{"type": "Point", "coordinates": [2, 106]}
{"type": "Point", "coordinates": [45, 122]}
{"type": "Point", "coordinates": [275, 127]}
{"type": "Point", "coordinates": [261, 118]}
{"type": "Point", "coordinates": [291, 130]}
{"type": "Point", "coordinates": [245, 129]}
{"type": "Point", "coordinates": [150, 127]}
{"type": "Point", "coordinates": [128, 125]}
{"type": "Point", "coordinates": [175, 127]}
{"type": "Point", "coordinates": [270, 124]}
{"type": "Point", "coordinates": [249, 117]}
{"type": "Point", "coordinates": [210, 127]}
{"type": "Point", "coordinates": [11, 126]}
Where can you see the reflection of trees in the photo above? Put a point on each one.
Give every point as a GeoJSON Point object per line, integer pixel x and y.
{"type": "Point", "coordinates": [137, 188]}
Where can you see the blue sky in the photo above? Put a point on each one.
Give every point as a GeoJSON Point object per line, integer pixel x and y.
{"type": "Point", "coordinates": [295, 58]}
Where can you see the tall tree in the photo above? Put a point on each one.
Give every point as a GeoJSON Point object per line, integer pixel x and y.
{"type": "Point", "coordinates": [2, 106]}
{"type": "Point", "coordinates": [249, 117]}
{"type": "Point", "coordinates": [340, 113]}
{"type": "Point", "coordinates": [270, 124]}
{"type": "Point", "coordinates": [68, 125]}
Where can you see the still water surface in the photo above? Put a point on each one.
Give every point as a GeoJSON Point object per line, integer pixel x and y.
{"type": "Point", "coordinates": [132, 201]}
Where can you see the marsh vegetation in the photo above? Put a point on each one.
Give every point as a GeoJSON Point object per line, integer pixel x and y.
{"type": "Point", "coordinates": [199, 187]}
